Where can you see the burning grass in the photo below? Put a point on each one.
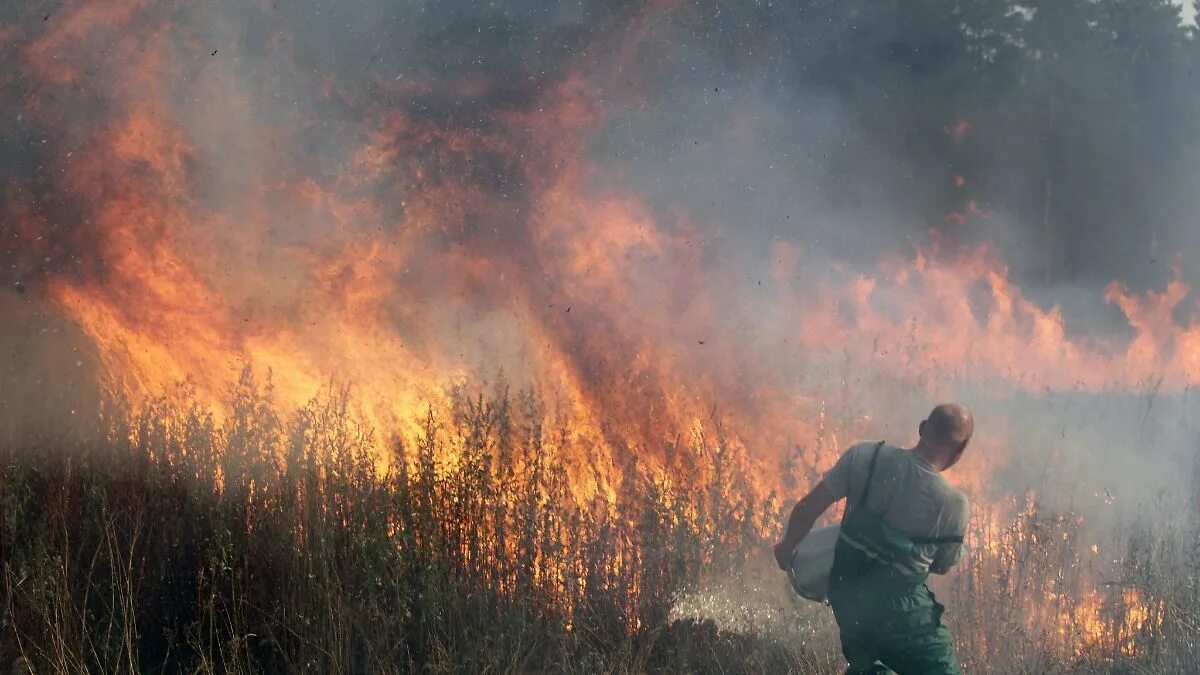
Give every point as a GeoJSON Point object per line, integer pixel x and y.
{"type": "Point", "coordinates": [271, 544]}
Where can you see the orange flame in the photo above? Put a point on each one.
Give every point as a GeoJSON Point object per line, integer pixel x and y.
{"type": "Point", "coordinates": [958, 130]}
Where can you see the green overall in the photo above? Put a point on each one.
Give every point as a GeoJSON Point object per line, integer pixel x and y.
{"type": "Point", "coordinates": [888, 617]}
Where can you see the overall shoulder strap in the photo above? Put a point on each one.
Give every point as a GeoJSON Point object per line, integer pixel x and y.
{"type": "Point", "coordinates": [862, 499]}
{"type": "Point", "coordinates": [937, 540]}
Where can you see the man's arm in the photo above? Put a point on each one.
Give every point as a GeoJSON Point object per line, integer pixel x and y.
{"type": "Point", "coordinates": [800, 523]}
{"type": "Point", "coordinates": [948, 554]}
{"type": "Point", "coordinates": [943, 562]}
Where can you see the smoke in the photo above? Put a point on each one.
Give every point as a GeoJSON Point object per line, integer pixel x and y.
{"type": "Point", "coordinates": [840, 142]}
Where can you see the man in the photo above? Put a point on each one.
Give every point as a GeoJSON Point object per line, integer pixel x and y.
{"type": "Point", "coordinates": [903, 520]}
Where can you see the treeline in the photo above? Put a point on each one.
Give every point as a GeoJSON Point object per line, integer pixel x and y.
{"type": "Point", "coordinates": [1063, 131]}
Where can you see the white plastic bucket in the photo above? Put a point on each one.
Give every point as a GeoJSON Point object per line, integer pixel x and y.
{"type": "Point", "coordinates": [812, 562]}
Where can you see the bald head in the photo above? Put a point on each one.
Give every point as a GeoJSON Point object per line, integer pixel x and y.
{"type": "Point", "coordinates": [945, 433]}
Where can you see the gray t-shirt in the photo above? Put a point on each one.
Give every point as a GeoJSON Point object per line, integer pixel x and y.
{"type": "Point", "coordinates": [911, 495]}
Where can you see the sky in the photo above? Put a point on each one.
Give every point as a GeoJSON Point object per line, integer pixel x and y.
{"type": "Point", "coordinates": [1189, 10]}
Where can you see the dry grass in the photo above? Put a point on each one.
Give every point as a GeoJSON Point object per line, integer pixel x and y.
{"type": "Point", "coordinates": [271, 545]}
{"type": "Point", "coordinates": [264, 544]}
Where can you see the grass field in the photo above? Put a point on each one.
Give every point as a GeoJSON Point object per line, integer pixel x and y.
{"type": "Point", "coordinates": [280, 543]}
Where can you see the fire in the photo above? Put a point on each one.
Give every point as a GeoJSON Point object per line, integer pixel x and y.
{"type": "Point", "coordinates": [1113, 625]}
{"type": "Point", "coordinates": [1080, 614]}
{"type": "Point", "coordinates": [384, 274]}
{"type": "Point", "coordinates": [426, 249]}
{"type": "Point", "coordinates": [400, 274]}
{"type": "Point", "coordinates": [958, 130]}
{"type": "Point", "coordinates": [972, 210]}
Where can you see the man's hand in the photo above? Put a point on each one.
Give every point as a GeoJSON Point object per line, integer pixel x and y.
{"type": "Point", "coordinates": [783, 555]}
{"type": "Point", "coordinates": [800, 523]}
